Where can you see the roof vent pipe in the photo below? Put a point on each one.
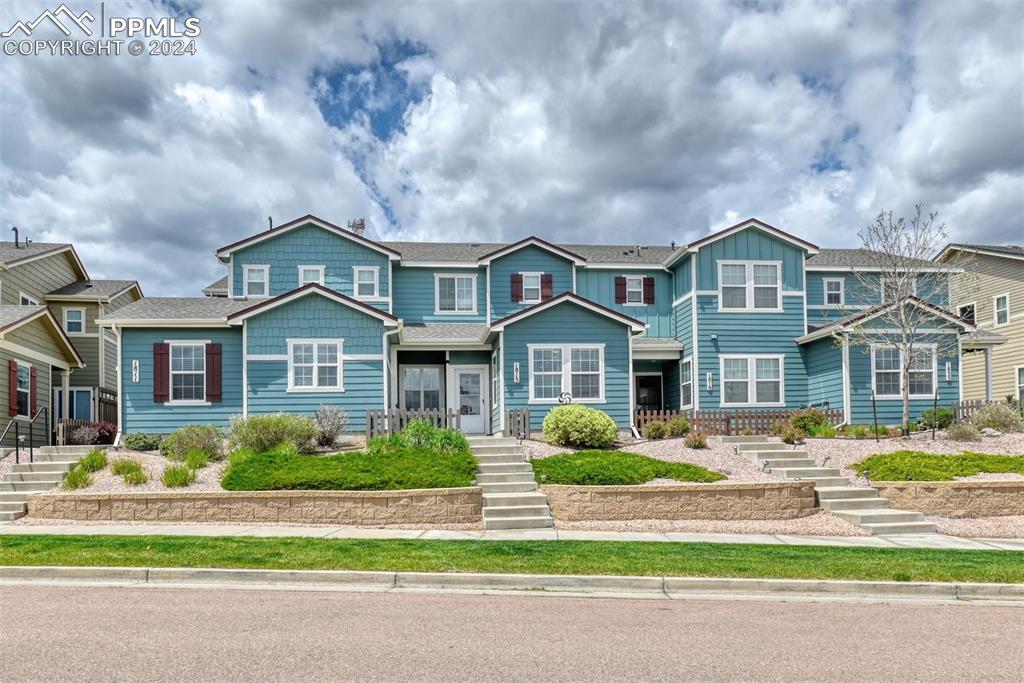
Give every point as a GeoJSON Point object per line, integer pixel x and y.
{"type": "Point", "coordinates": [270, 222]}
{"type": "Point", "coordinates": [358, 226]}
{"type": "Point", "coordinates": [17, 244]}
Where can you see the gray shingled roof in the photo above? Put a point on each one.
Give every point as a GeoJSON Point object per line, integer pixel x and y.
{"type": "Point", "coordinates": [1012, 249]}
{"type": "Point", "coordinates": [93, 289]}
{"type": "Point", "coordinates": [456, 252]}
{"type": "Point", "coordinates": [12, 314]}
{"type": "Point", "coordinates": [174, 308]}
{"type": "Point", "coordinates": [469, 332]}
{"type": "Point", "coordinates": [219, 285]}
{"type": "Point", "coordinates": [856, 258]}
{"type": "Point", "coordinates": [8, 252]}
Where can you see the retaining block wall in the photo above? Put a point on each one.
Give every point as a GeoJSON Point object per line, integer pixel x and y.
{"type": "Point", "coordinates": [763, 500]}
{"type": "Point", "coordinates": [419, 506]}
{"type": "Point", "coordinates": [955, 498]}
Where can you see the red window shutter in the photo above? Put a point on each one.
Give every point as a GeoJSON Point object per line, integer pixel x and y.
{"type": "Point", "coordinates": [33, 404]}
{"type": "Point", "coordinates": [161, 372]}
{"type": "Point", "coordinates": [547, 286]}
{"type": "Point", "coordinates": [213, 391]}
{"type": "Point", "coordinates": [517, 287]}
{"type": "Point", "coordinates": [648, 290]}
{"type": "Point", "coordinates": [12, 388]}
{"type": "Point", "coordinates": [620, 290]}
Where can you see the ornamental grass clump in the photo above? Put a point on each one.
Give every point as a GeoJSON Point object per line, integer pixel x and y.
{"type": "Point", "coordinates": [695, 440]}
{"type": "Point", "coordinates": [330, 423]}
{"type": "Point", "coordinates": [963, 431]}
{"type": "Point", "coordinates": [578, 426]}
{"type": "Point", "coordinates": [130, 470]}
{"type": "Point", "coordinates": [677, 426]}
{"type": "Point", "coordinates": [1000, 416]}
{"type": "Point", "coordinates": [206, 439]}
{"type": "Point", "coordinates": [77, 478]}
{"type": "Point", "coordinates": [264, 432]}
{"type": "Point", "coordinates": [196, 460]}
{"type": "Point", "coordinates": [177, 476]}
{"type": "Point", "coordinates": [95, 461]}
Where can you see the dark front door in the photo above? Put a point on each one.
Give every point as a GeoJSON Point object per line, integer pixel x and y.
{"type": "Point", "coordinates": [648, 392]}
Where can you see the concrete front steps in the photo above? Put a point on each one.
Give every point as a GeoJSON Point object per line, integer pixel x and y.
{"type": "Point", "coordinates": [512, 499]}
{"type": "Point", "coordinates": [856, 504]}
{"type": "Point", "coordinates": [47, 469]}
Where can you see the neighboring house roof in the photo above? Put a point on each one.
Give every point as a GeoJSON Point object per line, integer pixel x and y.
{"type": "Point", "coordinates": [568, 297]}
{"type": "Point", "coordinates": [862, 259]}
{"type": "Point", "coordinates": [444, 332]}
{"type": "Point", "coordinates": [11, 256]}
{"type": "Point", "coordinates": [103, 290]}
{"type": "Point", "coordinates": [218, 287]}
{"type": "Point", "coordinates": [980, 339]}
{"type": "Point", "coordinates": [308, 219]}
{"type": "Point", "coordinates": [175, 310]}
{"type": "Point", "coordinates": [13, 317]}
{"type": "Point", "coordinates": [846, 322]}
{"type": "Point", "coordinates": [1013, 251]}
{"type": "Point", "coordinates": [469, 253]}
{"type": "Point", "coordinates": [311, 289]}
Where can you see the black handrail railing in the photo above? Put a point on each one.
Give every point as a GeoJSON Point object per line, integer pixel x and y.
{"type": "Point", "coordinates": [16, 423]}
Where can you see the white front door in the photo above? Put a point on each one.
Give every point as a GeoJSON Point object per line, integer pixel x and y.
{"type": "Point", "coordinates": [470, 387]}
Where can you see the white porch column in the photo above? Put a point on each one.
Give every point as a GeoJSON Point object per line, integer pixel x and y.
{"type": "Point", "coordinates": [988, 373]}
{"type": "Point", "coordinates": [65, 394]}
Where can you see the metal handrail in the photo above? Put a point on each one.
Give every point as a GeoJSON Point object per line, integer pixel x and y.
{"type": "Point", "coordinates": [16, 423]}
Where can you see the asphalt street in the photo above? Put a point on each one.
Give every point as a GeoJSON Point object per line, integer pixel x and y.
{"type": "Point", "coordinates": [99, 633]}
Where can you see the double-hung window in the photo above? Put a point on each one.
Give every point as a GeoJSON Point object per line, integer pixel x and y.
{"type": "Point", "coordinates": [1020, 383]}
{"type": "Point", "coordinates": [887, 365]}
{"type": "Point", "coordinates": [256, 281]}
{"type": "Point", "coordinates": [749, 286]}
{"type": "Point", "coordinates": [455, 294]}
{"type": "Point", "coordinates": [566, 369]}
{"type": "Point", "coordinates": [686, 383]}
{"type": "Point", "coordinates": [834, 291]}
{"type": "Point", "coordinates": [367, 282]}
{"type": "Point", "coordinates": [634, 290]}
{"type": "Point", "coordinates": [24, 397]}
{"type": "Point", "coordinates": [314, 365]}
{"type": "Point", "coordinates": [495, 379]}
{"type": "Point", "coordinates": [188, 372]}
{"type": "Point", "coordinates": [74, 320]}
{"type": "Point", "coordinates": [531, 288]}
{"type": "Point", "coordinates": [1001, 310]}
{"type": "Point", "coordinates": [311, 275]}
{"type": "Point", "coordinates": [751, 380]}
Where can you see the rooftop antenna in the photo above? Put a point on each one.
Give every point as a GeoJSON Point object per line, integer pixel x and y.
{"type": "Point", "coordinates": [17, 243]}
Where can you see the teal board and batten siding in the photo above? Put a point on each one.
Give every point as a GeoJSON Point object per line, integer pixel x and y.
{"type": "Point", "coordinates": [309, 246]}
{"type": "Point", "coordinates": [316, 317]}
{"type": "Point", "coordinates": [683, 280]}
{"type": "Point", "coordinates": [568, 324]}
{"type": "Point", "coordinates": [682, 317]}
{"type": "Point", "coordinates": [415, 296]}
{"type": "Point", "coordinates": [141, 414]}
{"type": "Point", "coordinates": [599, 287]}
{"type": "Point", "coordinates": [750, 245]}
{"type": "Point", "coordinates": [529, 259]}
{"type": "Point", "coordinates": [824, 361]}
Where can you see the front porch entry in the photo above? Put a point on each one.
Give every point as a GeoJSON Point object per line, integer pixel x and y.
{"type": "Point", "coordinates": [469, 384]}
{"type": "Point", "coordinates": [431, 381]}
{"type": "Point", "coordinates": [649, 390]}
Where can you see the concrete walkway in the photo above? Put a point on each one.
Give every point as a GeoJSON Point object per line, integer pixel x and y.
{"type": "Point", "coordinates": [899, 541]}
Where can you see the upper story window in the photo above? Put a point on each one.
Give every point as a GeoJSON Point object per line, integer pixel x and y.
{"type": "Point", "coordinates": [256, 281]}
{"type": "Point", "coordinates": [455, 294]}
{"type": "Point", "coordinates": [897, 288]}
{"type": "Point", "coordinates": [887, 371]}
{"type": "Point", "coordinates": [749, 286]}
{"type": "Point", "coordinates": [1001, 309]}
{"type": "Point", "coordinates": [314, 365]}
{"type": "Point", "coordinates": [834, 291]}
{"type": "Point", "coordinates": [74, 320]}
{"type": "Point", "coordinates": [188, 371]}
{"type": "Point", "coordinates": [311, 275]}
{"type": "Point", "coordinates": [26, 300]}
{"type": "Point", "coordinates": [634, 290]}
{"type": "Point", "coordinates": [366, 281]}
{"type": "Point", "coordinates": [968, 313]}
{"type": "Point", "coordinates": [531, 288]}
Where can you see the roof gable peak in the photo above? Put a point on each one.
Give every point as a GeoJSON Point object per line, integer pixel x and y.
{"type": "Point", "coordinates": [309, 219]}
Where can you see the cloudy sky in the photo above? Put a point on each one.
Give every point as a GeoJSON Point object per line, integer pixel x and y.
{"type": "Point", "coordinates": [617, 122]}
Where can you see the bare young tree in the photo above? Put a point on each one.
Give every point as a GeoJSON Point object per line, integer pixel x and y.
{"type": "Point", "coordinates": [902, 271]}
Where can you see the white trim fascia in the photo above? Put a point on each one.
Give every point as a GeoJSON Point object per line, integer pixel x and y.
{"type": "Point", "coordinates": [751, 380]}
{"type": "Point", "coordinates": [573, 280]}
{"type": "Point", "coordinates": [847, 408]}
{"type": "Point", "coordinates": [362, 356]}
{"type": "Point", "coordinates": [995, 311]}
{"type": "Point", "coordinates": [834, 328]}
{"type": "Point", "coordinates": [815, 307]}
{"type": "Point", "coordinates": [567, 373]}
{"type": "Point", "coordinates": [316, 389]}
{"type": "Point", "coordinates": [42, 313]}
{"type": "Point", "coordinates": [749, 285]}
{"type": "Point", "coordinates": [120, 391]}
{"type": "Point", "coordinates": [540, 287]}
{"type": "Point", "coordinates": [83, 333]}
{"type": "Point", "coordinates": [283, 299]}
{"type": "Point", "coordinates": [793, 293]}
{"type": "Point", "coordinates": [32, 300]}
{"type": "Point", "coordinates": [299, 223]}
{"type": "Point", "coordinates": [158, 322]}
{"type": "Point", "coordinates": [708, 292]}
{"type": "Point", "coordinates": [439, 345]}
{"type": "Point", "coordinates": [440, 264]}
{"type": "Point", "coordinates": [322, 270]}
{"type": "Point", "coordinates": [245, 369]}
{"type": "Point", "coordinates": [487, 284]}
{"type": "Point", "coordinates": [876, 269]}
{"type": "Point", "coordinates": [376, 283]}
{"type": "Point", "coordinates": [501, 381]}
{"type": "Point", "coordinates": [437, 293]}
{"type": "Point", "coordinates": [636, 325]}
{"type": "Point", "coordinates": [694, 339]}
{"type": "Point", "coordinates": [775, 232]}
{"type": "Point", "coordinates": [976, 250]}
{"type": "Point", "coordinates": [532, 241]}
{"type": "Point", "coordinates": [682, 299]}
{"type": "Point", "coordinates": [268, 357]}
{"type": "Point", "coordinates": [899, 397]}
{"type": "Point", "coordinates": [627, 266]}
{"type": "Point", "coordinates": [656, 354]}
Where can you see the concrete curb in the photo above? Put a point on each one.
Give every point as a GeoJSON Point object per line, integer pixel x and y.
{"type": "Point", "coordinates": [646, 586]}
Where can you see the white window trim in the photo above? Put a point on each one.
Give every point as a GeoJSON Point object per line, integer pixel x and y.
{"type": "Point", "coordinates": [316, 389]}
{"type": "Point", "coordinates": [69, 332]}
{"type": "Point", "coordinates": [749, 308]}
{"type": "Point", "coordinates": [32, 301]}
{"type": "Point", "coordinates": [995, 310]}
{"type": "Point", "coordinates": [566, 372]}
{"type": "Point", "coordinates": [245, 281]}
{"type": "Point", "coordinates": [899, 396]}
{"type": "Point", "coordinates": [319, 269]}
{"type": "Point", "coordinates": [21, 365]}
{"type": "Point", "coordinates": [642, 301]}
{"type": "Point", "coordinates": [752, 379]}
{"type": "Point", "coordinates": [442, 384]}
{"type": "Point", "coordinates": [692, 383]}
{"type": "Point", "coordinates": [170, 373]}
{"type": "Point", "coordinates": [881, 286]}
{"type": "Point", "coordinates": [540, 288]}
{"type": "Point", "coordinates": [437, 293]}
{"type": "Point", "coordinates": [960, 307]}
{"type": "Point", "coordinates": [842, 291]}
{"type": "Point", "coordinates": [92, 400]}
{"type": "Point", "coordinates": [376, 283]}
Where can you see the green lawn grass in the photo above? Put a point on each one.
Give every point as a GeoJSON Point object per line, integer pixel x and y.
{"type": "Point", "coordinates": [610, 468]}
{"type": "Point", "coordinates": [528, 557]}
{"type": "Point", "coordinates": [917, 466]}
{"type": "Point", "coordinates": [404, 468]}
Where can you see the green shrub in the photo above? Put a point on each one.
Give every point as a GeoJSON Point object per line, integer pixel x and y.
{"type": "Point", "coordinates": [263, 432]}
{"type": "Point", "coordinates": [963, 431]}
{"type": "Point", "coordinates": [695, 440]}
{"type": "Point", "coordinates": [330, 423]}
{"type": "Point", "coordinates": [825, 431]}
{"type": "Point", "coordinates": [95, 461]}
{"type": "Point", "coordinates": [615, 468]}
{"type": "Point", "coordinates": [863, 431]}
{"type": "Point", "coordinates": [142, 442]}
{"type": "Point", "coordinates": [940, 418]}
{"type": "Point", "coordinates": [578, 426]}
{"type": "Point", "coordinates": [177, 476]}
{"type": "Point", "coordinates": [678, 426]}
{"type": "Point", "coordinates": [136, 478]}
{"type": "Point", "coordinates": [917, 466]}
{"type": "Point", "coordinates": [808, 420]}
{"type": "Point", "coordinates": [196, 460]}
{"type": "Point", "coordinates": [206, 439]}
{"type": "Point", "coordinates": [131, 470]}
{"type": "Point", "coordinates": [1001, 416]}
{"type": "Point", "coordinates": [422, 435]}
{"type": "Point", "coordinates": [77, 478]}
{"type": "Point", "coordinates": [655, 429]}
{"type": "Point", "coordinates": [792, 435]}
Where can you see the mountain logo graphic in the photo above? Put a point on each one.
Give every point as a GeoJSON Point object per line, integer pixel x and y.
{"type": "Point", "coordinates": [63, 10]}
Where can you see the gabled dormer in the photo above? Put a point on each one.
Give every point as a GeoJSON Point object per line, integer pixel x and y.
{"type": "Point", "coordinates": [528, 272]}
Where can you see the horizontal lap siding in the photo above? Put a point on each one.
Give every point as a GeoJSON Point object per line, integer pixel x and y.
{"type": "Point", "coordinates": [683, 322]}
{"type": "Point", "coordinates": [824, 362]}
{"type": "Point", "coordinates": [599, 287]}
{"type": "Point", "coordinates": [109, 346]}
{"type": "Point", "coordinates": [862, 290]}
{"type": "Point", "coordinates": [309, 246]}
{"type": "Point", "coordinates": [37, 278]}
{"type": "Point", "coordinates": [569, 324]}
{"type": "Point", "coordinates": [526, 260]}
{"type": "Point", "coordinates": [363, 383]}
{"type": "Point", "coordinates": [142, 415]}
{"type": "Point", "coordinates": [314, 317]}
{"type": "Point", "coordinates": [415, 296]}
{"type": "Point", "coordinates": [40, 431]}
{"type": "Point", "coordinates": [41, 338]}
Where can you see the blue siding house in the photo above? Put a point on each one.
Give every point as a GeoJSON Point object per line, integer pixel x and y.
{"type": "Point", "coordinates": [748, 318]}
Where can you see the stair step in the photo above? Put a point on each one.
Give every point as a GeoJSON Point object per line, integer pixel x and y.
{"type": "Point", "coordinates": [52, 466]}
{"type": "Point", "coordinates": [825, 482]}
{"type": "Point", "coordinates": [492, 441]}
{"type": "Point", "coordinates": [26, 486]}
{"type": "Point", "coordinates": [508, 487]}
{"type": "Point", "coordinates": [901, 528]}
{"type": "Point", "coordinates": [496, 450]}
{"type": "Point", "coordinates": [500, 459]}
{"type": "Point", "coordinates": [844, 492]}
{"type": "Point", "coordinates": [806, 472]}
{"type": "Point", "coordinates": [14, 496]}
{"type": "Point", "coordinates": [10, 516]}
{"type": "Point", "coordinates": [879, 516]}
{"type": "Point", "coordinates": [778, 463]}
{"type": "Point", "coordinates": [504, 478]}
{"type": "Point", "coordinates": [48, 477]}
{"type": "Point", "coordinates": [52, 457]}
{"type": "Point", "coordinates": [516, 511]}
{"type": "Point", "coordinates": [744, 439]}
{"type": "Point", "coordinates": [764, 446]}
{"type": "Point", "coordinates": [12, 507]}
{"type": "Point", "coordinates": [504, 468]}
{"type": "Point", "coordinates": [853, 504]}
{"type": "Point", "coordinates": [515, 498]}
{"type": "Point", "coordinates": [519, 523]}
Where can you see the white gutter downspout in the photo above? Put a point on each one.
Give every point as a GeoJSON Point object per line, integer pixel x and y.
{"type": "Point", "coordinates": [120, 393]}
{"type": "Point", "coordinates": [386, 364]}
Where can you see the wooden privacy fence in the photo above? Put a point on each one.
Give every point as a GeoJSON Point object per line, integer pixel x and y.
{"type": "Point", "coordinates": [381, 422]}
{"type": "Point", "coordinates": [106, 406]}
{"type": "Point", "coordinates": [65, 427]}
{"type": "Point", "coordinates": [726, 422]}
{"type": "Point", "coordinates": [962, 410]}
{"type": "Point", "coordinates": [517, 422]}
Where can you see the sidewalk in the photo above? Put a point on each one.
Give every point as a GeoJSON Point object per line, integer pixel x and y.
{"type": "Point", "coordinates": [899, 541]}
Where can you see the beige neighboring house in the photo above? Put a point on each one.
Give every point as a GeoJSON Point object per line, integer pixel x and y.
{"type": "Point", "coordinates": [51, 278]}
{"type": "Point", "coordinates": [991, 295]}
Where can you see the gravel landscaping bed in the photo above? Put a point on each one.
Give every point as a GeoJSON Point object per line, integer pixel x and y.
{"type": "Point", "coordinates": [1011, 526]}
{"type": "Point", "coordinates": [207, 478]}
{"type": "Point", "coordinates": [819, 524]}
{"type": "Point", "coordinates": [6, 463]}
